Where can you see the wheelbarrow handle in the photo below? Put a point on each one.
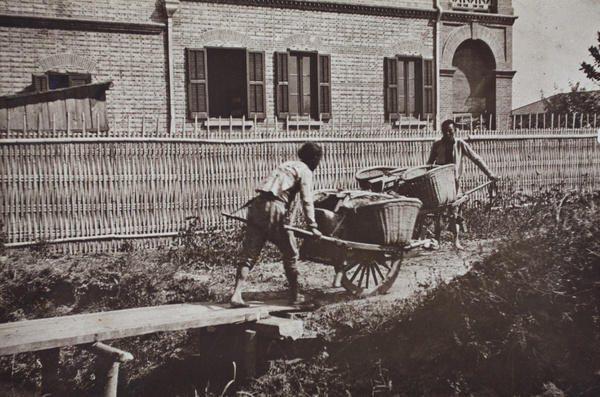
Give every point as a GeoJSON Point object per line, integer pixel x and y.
{"type": "Point", "coordinates": [305, 233]}
{"type": "Point", "coordinates": [297, 231]}
{"type": "Point", "coordinates": [479, 187]}
{"type": "Point", "coordinates": [237, 218]}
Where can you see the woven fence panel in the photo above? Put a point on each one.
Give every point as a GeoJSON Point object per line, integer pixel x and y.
{"type": "Point", "coordinates": [92, 193]}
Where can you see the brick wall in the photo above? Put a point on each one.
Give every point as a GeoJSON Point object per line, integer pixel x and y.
{"type": "Point", "coordinates": [131, 11]}
{"type": "Point", "coordinates": [503, 102]}
{"type": "Point", "coordinates": [383, 3]}
{"type": "Point", "coordinates": [135, 63]}
{"type": "Point", "coordinates": [357, 45]}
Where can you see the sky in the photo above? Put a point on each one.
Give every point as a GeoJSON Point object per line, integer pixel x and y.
{"type": "Point", "coordinates": [550, 40]}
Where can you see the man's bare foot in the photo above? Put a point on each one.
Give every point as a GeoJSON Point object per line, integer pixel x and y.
{"type": "Point", "coordinates": [458, 245]}
{"type": "Point", "coordinates": [297, 300]}
{"type": "Point", "coordinates": [238, 302]}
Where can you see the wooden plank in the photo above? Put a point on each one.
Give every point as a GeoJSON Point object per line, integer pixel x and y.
{"type": "Point", "coordinates": [33, 335]}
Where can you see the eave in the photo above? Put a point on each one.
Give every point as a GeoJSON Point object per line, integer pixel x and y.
{"type": "Point", "coordinates": [85, 25]}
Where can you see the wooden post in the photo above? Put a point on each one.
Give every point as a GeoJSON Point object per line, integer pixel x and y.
{"type": "Point", "coordinates": [50, 359]}
{"type": "Point", "coordinates": [111, 358]}
{"type": "Point", "coordinates": [249, 359]}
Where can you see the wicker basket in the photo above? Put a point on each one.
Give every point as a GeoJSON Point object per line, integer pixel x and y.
{"type": "Point", "coordinates": [366, 174]}
{"type": "Point", "coordinates": [386, 222]}
{"type": "Point", "coordinates": [433, 185]}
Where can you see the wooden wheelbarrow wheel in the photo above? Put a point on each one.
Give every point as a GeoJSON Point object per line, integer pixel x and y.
{"type": "Point", "coordinates": [367, 274]}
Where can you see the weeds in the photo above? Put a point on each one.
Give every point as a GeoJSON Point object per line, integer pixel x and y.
{"type": "Point", "coordinates": [525, 321]}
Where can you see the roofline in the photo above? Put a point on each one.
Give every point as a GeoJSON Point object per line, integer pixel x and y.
{"type": "Point", "coordinates": [85, 25]}
{"type": "Point", "coordinates": [389, 11]}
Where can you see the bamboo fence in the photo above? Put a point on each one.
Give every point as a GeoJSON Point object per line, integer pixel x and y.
{"type": "Point", "coordinates": [92, 192]}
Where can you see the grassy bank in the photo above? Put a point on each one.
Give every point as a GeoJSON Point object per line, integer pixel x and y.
{"type": "Point", "coordinates": [523, 322]}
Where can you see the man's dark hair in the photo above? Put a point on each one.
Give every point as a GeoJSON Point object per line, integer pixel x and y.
{"type": "Point", "coordinates": [448, 123]}
{"type": "Point", "coordinates": [310, 150]}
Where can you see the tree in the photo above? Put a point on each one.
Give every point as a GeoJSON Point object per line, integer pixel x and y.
{"type": "Point", "coordinates": [576, 102]}
{"type": "Point", "coordinates": [592, 71]}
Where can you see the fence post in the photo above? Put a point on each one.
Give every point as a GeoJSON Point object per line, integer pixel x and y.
{"type": "Point", "coordinates": [50, 359]}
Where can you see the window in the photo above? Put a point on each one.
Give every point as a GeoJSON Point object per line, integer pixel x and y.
{"type": "Point", "coordinates": [53, 81]}
{"type": "Point", "coordinates": [408, 85]}
{"type": "Point", "coordinates": [303, 85]}
{"type": "Point", "coordinates": [225, 82]}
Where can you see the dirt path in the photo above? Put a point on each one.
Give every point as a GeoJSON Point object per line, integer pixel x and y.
{"type": "Point", "coordinates": [421, 271]}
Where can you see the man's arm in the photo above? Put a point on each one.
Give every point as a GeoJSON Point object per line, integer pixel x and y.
{"type": "Point", "coordinates": [475, 158]}
{"type": "Point", "coordinates": [306, 197]}
{"type": "Point", "coordinates": [433, 153]}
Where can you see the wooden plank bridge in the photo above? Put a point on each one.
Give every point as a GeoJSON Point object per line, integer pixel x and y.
{"type": "Point", "coordinates": [48, 335]}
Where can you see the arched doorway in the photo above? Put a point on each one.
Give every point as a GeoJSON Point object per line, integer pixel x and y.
{"type": "Point", "coordinates": [474, 82]}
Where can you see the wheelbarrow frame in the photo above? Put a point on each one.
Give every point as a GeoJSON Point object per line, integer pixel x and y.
{"type": "Point", "coordinates": [448, 208]}
{"type": "Point", "coordinates": [363, 269]}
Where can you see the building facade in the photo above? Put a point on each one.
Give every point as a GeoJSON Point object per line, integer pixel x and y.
{"type": "Point", "coordinates": [299, 62]}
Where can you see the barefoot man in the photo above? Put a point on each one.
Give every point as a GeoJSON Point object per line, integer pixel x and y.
{"type": "Point", "coordinates": [450, 150]}
{"type": "Point", "coordinates": [266, 216]}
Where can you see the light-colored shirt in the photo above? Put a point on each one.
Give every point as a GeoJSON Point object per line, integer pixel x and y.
{"type": "Point", "coordinates": [459, 150]}
{"type": "Point", "coordinates": [286, 180]}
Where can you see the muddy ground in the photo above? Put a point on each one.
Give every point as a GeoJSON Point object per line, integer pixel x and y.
{"type": "Point", "coordinates": [421, 269]}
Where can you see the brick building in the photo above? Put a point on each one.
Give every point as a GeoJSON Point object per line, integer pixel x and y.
{"type": "Point", "coordinates": [295, 61]}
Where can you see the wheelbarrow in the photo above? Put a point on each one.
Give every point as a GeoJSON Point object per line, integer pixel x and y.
{"type": "Point", "coordinates": [366, 257]}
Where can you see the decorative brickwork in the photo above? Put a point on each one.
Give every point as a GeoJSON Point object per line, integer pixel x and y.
{"type": "Point", "coordinates": [493, 37]}
{"type": "Point", "coordinates": [54, 62]}
{"type": "Point", "coordinates": [224, 38]}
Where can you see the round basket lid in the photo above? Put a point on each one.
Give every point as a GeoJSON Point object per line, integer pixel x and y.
{"type": "Point", "coordinates": [373, 172]}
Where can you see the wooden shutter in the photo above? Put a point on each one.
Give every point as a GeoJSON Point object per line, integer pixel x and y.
{"type": "Point", "coordinates": [78, 79]}
{"type": "Point", "coordinates": [282, 89]}
{"type": "Point", "coordinates": [256, 84]}
{"type": "Point", "coordinates": [197, 83]}
{"type": "Point", "coordinates": [324, 97]}
{"type": "Point", "coordinates": [40, 82]}
{"type": "Point", "coordinates": [428, 98]}
{"type": "Point", "coordinates": [390, 83]}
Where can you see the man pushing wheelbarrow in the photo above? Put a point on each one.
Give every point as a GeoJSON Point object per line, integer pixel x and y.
{"type": "Point", "coordinates": [450, 150]}
{"type": "Point", "coordinates": [266, 220]}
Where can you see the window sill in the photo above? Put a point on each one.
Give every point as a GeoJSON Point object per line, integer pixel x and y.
{"type": "Point", "coordinates": [410, 123]}
{"type": "Point", "coordinates": [230, 122]}
{"type": "Point", "coordinates": [304, 123]}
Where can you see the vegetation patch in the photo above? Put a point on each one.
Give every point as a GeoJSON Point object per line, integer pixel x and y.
{"type": "Point", "coordinates": [523, 322]}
